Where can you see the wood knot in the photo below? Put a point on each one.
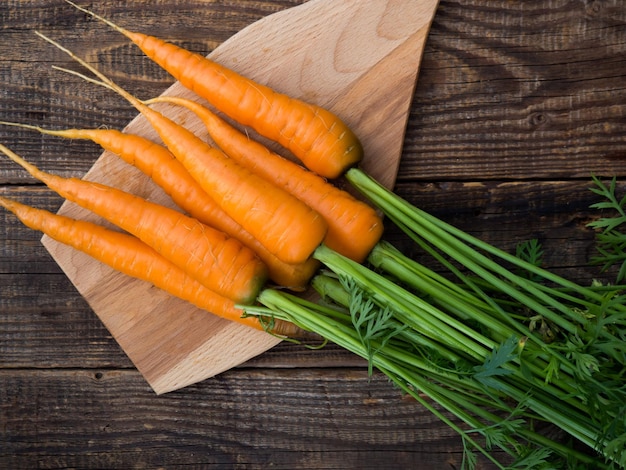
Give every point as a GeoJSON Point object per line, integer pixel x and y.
{"type": "Point", "coordinates": [594, 8]}
{"type": "Point", "coordinates": [538, 119]}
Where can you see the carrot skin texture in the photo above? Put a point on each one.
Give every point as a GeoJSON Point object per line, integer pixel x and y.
{"type": "Point", "coordinates": [286, 226]}
{"type": "Point", "coordinates": [354, 227]}
{"type": "Point", "coordinates": [163, 167]}
{"type": "Point", "coordinates": [130, 256]}
{"type": "Point", "coordinates": [219, 262]}
{"type": "Point", "coordinates": [327, 146]}
{"type": "Point", "coordinates": [324, 143]}
{"type": "Point", "coordinates": [167, 172]}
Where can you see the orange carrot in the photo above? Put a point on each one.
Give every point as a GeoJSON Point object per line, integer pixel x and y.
{"type": "Point", "coordinates": [317, 137]}
{"type": "Point", "coordinates": [354, 227]}
{"type": "Point", "coordinates": [167, 172]}
{"type": "Point", "coordinates": [132, 257]}
{"type": "Point", "coordinates": [219, 262]}
{"type": "Point", "coordinates": [287, 227]}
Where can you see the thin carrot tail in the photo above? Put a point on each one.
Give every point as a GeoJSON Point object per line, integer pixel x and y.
{"type": "Point", "coordinates": [324, 143]}
{"type": "Point", "coordinates": [139, 39]}
{"type": "Point", "coordinates": [108, 139]}
{"type": "Point", "coordinates": [128, 255]}
{"type": "Point", "coordinates": [30, 168]}
{"type": "Point", "coordinates": [101, 18]}
{"type": "Point", "coordinates": [28, 126]}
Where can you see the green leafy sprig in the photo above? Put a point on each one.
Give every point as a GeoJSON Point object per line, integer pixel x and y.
{"type": "Point", "coordinates": [610, 237]}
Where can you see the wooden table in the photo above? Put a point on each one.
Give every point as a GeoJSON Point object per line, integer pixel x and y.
{"type": "Point", "coordinates": [517, 104]}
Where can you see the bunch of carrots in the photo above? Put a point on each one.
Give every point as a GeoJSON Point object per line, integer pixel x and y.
{"type": "Point", "coordinates": [251, 220]}
{"type": "Point", "coordinates": [248, 215]}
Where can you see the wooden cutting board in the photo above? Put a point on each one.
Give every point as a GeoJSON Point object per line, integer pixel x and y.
{"type": "Point", "coordinates": [359, 59]}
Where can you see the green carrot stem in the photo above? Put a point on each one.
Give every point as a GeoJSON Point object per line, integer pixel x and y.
{"type": "Point", "coordinates": [312, 317]}
{"type": "Point", "coordinates": [410, 309]}
{"type": "Point", "coordinates": [332, 289]}
{"type": "Point", "coordinates": [454, 400]}
{"type": "Point", "coordinates": [347, 340]}
{"type": "Point", "coordinates": [538, 300]}
{"type": "Point", "coordinates": [577, 424]}
{"type": "Point", "coordinates": [405, 373]}
{"type": "Point", "coordinates": [409, 386]}
{"type": "Point", "coordinates": [564, 392]}
{"type": "Point", "coordinates": [442, 328]}
{"type": "Point", "coordinates": [455, 243]}
{"type": "Point", "coordinates": [460, 302]}
{"type": "Point", "coordinates": [386, 251]}
{"type": "Point", "coordinates": [372, 187]}
{"type": "Point", "coordinates": [282, 304]}
{"type": "Point", "coordinates": [466, 306]}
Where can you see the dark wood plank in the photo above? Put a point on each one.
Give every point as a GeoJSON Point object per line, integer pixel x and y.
{"type": "Point", "coordinates": [325, 419]}
{"type": "Point", "coordinates": [556, 213]}
{"type": "Point", "coordinates": [520, 90]}
{"type": "Point", "coordinates": [21, 250]}
{"type": "Point", "coordinates": [505, 91]}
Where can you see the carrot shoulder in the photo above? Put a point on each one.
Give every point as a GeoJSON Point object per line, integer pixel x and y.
{"type": "Point", "coordinates": [219, 262]}
{"type": "Point", "coordinates": [354, 227]}
{"type": "Point", "coordinates": [167, 172]}
{"type": "Point", "coordinates": [287, 227]}
{"type": "Point", "coordinates": [324, 143]}
{"type": "Point", "coordinates": [130, 256]}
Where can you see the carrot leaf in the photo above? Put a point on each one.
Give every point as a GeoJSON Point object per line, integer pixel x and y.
{"type": "Point", "coordinates": [494, 364]}
{"type": "Point", "coordinates": [610, 236]}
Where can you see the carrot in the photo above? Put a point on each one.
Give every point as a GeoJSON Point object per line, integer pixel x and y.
{"type": "Point", "coordinates": [130, 256]}
{"type": "Point", "coordinates": [354, 227]}
{"type": "Point", "coordinates": [324, 143]}
{"type": "Point", "coordinates": [287, 227]}
{"type": "Point", "coordinates": [167, 172]}
{"type": "Point", "coordinates": [219, 262]}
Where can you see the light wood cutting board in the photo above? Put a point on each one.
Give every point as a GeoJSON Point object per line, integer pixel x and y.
{"type": "Point", "coordinates": [359, 59]}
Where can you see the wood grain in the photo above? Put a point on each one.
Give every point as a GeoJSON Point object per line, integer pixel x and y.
{"type": "Point", "coordinates": [326, 419]}
{"type": "Point", "coordinates": [475, 153]}
{"type": "Point", "coordinates": [519, 90]}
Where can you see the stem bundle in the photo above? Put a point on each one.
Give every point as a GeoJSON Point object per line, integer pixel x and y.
{"type": "Point", "coordinates": [468, 340]}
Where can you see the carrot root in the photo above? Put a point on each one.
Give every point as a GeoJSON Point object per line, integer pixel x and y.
{"type": "Point", "coordinates": [167, 172]}
{"type": "Point", "coordinates": [290, 229]}
{"type": "Point", "coordinates": [219, 262]}
{"type": "Point", "coordinates": [354, 227]}
{"type": "Point", "coordinates": [320, 139]}
{"type": "Point", "coordinates": [128, 255]}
